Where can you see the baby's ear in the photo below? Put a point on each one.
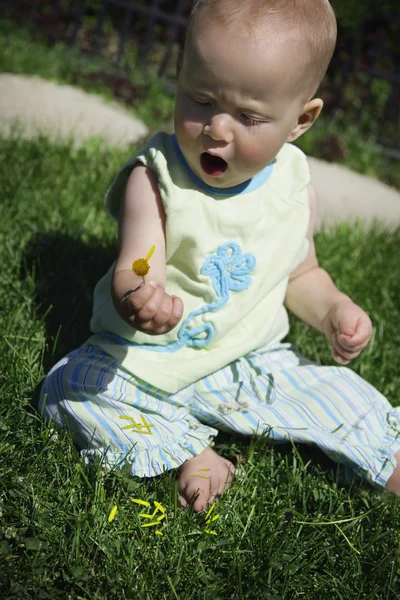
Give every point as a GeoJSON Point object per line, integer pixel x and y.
{"type": "Point", "coordinates": [307, 117]}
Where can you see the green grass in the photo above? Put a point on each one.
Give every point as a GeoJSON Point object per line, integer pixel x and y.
{"type": "Point", "coordinates": [272, 541]}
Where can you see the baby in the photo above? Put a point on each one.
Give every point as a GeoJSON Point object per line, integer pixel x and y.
{"type": "Point", "coordinates": [195, 347]}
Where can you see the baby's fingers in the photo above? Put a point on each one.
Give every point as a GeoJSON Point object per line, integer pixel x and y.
{"type": "Point", "coordinates": [163, 314]}
{"type": "Point", "coordinates": [350, 345]}
{"type": "Point", "coordinates": [339, 358]}
{"type": "Point", "coordinates": [361, 335]}
{"type": "Point", "coordinates": [168, 316]}
{"type": "Point", "coordinates": [176, 312]}
{"type": "Point", "coordinates": [343, 355]}
{"type": "Point", "coordinates": [136, 299]}
{"type": "Point", "coordinates": [152, 306]}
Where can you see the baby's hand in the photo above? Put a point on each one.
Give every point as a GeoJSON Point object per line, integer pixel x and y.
{"type": "Point", "coordinates": [348, 328]}
{"type": "Point", "coordinates": [150, 309]}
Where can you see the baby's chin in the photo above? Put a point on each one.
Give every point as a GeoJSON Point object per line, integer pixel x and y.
{"type": "Point", "coordinates": [222, 181]}
{"type": "Point", "coordinates": [218, 175]}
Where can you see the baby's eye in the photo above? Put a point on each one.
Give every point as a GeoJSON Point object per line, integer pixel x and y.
{"type": "Point", "coordinates": [251, 121]}
{"type": "Point", "coordinates": [201, 101]}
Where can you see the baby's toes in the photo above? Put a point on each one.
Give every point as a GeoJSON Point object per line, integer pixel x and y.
{"type": "Point", "coordinates": [200, 491]}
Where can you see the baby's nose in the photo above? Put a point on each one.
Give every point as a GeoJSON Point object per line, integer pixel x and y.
{"type": "Point", "coordinates": [220, 128]}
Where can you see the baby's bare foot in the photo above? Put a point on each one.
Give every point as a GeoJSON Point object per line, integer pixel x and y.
{"type": "Point", "coordinates": [206, 476]}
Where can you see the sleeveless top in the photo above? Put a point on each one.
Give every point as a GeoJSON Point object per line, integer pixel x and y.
{"type": "Point", "coordinates": [229, 254]}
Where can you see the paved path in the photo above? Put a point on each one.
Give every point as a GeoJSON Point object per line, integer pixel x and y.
{"type": "Point", "coordinates": [344, 195]}
{"type": "Point", "coordinates": [63, 111]}
{"type": "Point", "coordinates": [60, 110]}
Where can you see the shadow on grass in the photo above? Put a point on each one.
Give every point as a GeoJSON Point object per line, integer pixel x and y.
{"type": "Point", "coordinates": [66, 272]}
{"type": "Point", "coordinates": [241, 450]}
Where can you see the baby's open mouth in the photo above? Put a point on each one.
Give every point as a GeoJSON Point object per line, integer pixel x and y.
{"type": "Point", "coordinates": [213, 165]}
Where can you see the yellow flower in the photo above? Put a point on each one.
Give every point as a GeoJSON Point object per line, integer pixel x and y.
{"type": "Point", "coordinates": [141, 266]}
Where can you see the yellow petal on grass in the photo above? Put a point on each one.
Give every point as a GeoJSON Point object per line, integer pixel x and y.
{"type": "Point", "coordinates": [210, 511]}
{"type": "Point", "coordinates": [161, 517]}
{"type": "Point", "coordinates": [112, 514]}
{"type": "Point", "coordinates": [215, 517]}
{"type": "Point", "coordinates": [158, 532]}
{"type": "Point", "coordinates": [142, 502]}
{"type": "Point", "coordinates": [210, 531]}
{"type": "Point", "coordinates": [146, 516]}
{"type": "Point", "coordinates": [159, 506]}
{"type": "Point", "coordinates": [150, 253]}
{"type": "Point", "coordinates": [150, 524]}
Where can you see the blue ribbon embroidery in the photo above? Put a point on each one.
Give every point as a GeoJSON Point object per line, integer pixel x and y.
{"type": "Point", "coordinates": [229, 270]}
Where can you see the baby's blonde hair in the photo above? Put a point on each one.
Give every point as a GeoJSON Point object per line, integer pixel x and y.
{"type": "Point", "coordinates": [312, 22]}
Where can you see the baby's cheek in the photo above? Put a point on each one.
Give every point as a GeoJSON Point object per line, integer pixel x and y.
{"type": "Point", "coordinates": [257, 154]}
{"type": "Point", "coordinates": [261, 146]}
{"type": "Point", "coordinates": [190, 129]}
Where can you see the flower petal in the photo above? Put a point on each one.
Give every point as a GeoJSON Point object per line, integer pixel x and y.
{"type": "Point", "coordinates": [150, 253]}
{"type": "Point", "coordinates": [112, 514]}
{"type": "Point", "coordinates": [142, 502]}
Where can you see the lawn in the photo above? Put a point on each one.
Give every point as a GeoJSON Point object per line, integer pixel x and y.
{"type": "Point", "coordinates": [291, 526]}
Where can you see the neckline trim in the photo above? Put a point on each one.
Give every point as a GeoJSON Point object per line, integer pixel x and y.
{"type": "Point", "coordinates": [242, 188]}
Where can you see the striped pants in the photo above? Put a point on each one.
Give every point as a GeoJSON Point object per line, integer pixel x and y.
{"type": "Point", "coordinates": [273, 392]}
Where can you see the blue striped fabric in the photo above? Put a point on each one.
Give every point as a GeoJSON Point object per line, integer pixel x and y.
{"type": "Point", "coordinates": [273, 392]}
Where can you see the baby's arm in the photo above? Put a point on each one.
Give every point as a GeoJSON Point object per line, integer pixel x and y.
{"type": "Point", "coordinates": [141, 225]}
{"type": "Point", "coordinates": [313, 297]}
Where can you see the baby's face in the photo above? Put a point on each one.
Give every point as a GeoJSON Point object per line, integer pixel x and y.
{"type": "Point", "coordinates": [236, 102]}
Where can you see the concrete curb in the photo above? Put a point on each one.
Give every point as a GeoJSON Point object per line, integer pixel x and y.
{"type": "Point", "coordinates": [344, 195]}
{"type": "Point", "coordinates": [35, 105]}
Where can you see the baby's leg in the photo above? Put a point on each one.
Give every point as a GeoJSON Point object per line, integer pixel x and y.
{"type": "Point", "coordinates": [277, 393]}
{"type": "Point", "coordinates": [352, 422]}
{"type": "Point", "coordinates": [204, 477]}
{"type": "Point", "coordinates": [122, 419]}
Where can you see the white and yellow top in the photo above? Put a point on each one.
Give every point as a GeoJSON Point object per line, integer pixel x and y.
{"type": "Point", "coordinates": [229, 256]}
